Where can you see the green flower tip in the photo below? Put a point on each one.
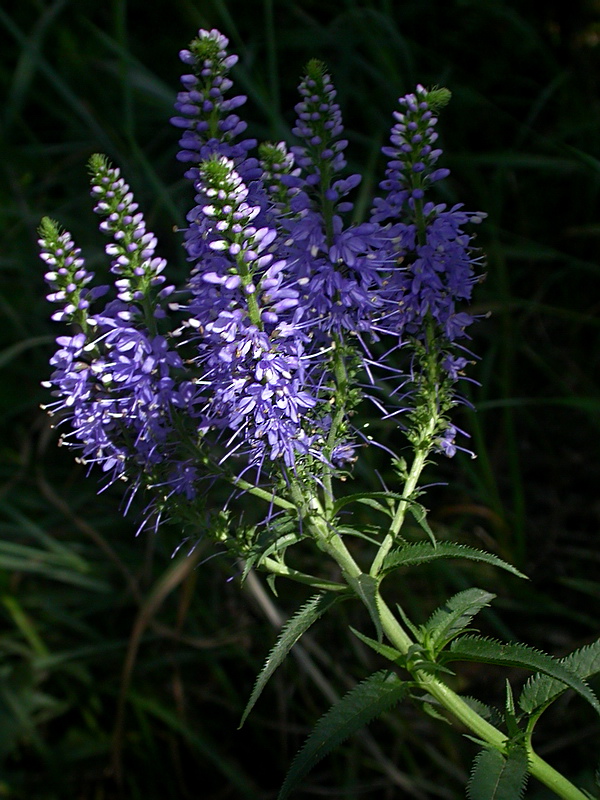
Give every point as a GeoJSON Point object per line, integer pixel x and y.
{"type": "Point", "coordinates": [205, 49]}
{"type": "Point", "coordinates": [98, 163]}
{"type": "Point", "coordinates": [316, 70]}
{"type": "Point", "coordinates": [48, 229]}
{"type": "Point", "coordinates": [272, 154]}
{"type": "Point", "coordinates": [438, 97]}
{"type": "Point", "coordinates": [216, 171]}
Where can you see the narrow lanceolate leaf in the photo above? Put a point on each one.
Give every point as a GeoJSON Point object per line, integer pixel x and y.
{"type": "Point", "coordinates": [361, 497]}
{"type": "Point", "coordinates": [489, 651]}
{"type": "Point", "coordinates": [366, 588]}
{"type": "Point", "coordinates": [419, 512]}
{"type": "Point", "coordinates": [383, 649]}
{"type": "Point", "coordinates": [454, 616]}
{"type": "Point", "coordinates": [498, 777]}
{"type": "Point", "coordinates": [541, 689]}
{"type": "Point", "coordinates": [291, 632]}
{"type": "Point", "coordinates": [369, 699]}
{"type": "Point", "coordinates": [422, 552]}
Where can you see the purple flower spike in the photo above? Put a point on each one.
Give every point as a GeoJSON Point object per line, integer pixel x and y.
{"type": "Point", "coordinates": [133, 247]}
{"type": "Point", "coordinates": [204, 114]}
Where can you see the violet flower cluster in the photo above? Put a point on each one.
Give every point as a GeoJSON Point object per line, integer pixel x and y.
{"type": "Point", "coordinates": [256, 365]}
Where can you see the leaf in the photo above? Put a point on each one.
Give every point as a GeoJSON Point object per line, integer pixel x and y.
{"type": "Point", "coordinates": [489, 651]}
{"type": "Point", "coordinates": [366, 589]}
{"type": "Point", "coordinates": [294, 628]}
{"type": "Point", "coordinates": [491, 714]}
{"type": "Point", "coordinates": [349, 531]}
{"type": "Point", "coordinates": [423, 552]}
{"type": "Point", "coordinates": [454, 616]}
{"type": "Point", "coordinates": [496, 777]}
{"type": "Point", "coordinates": [368, 700]}
{"type": "Point", "coordinates": [416, 631]}
{"type": "Point", "coordinates": [383, 649]}
{"type": "Point", "coordinates": [281, 543]}
{"type": "Point", "coordinates": [369, 501]}
{"type": "Point", "coordinates": [419, 512]}
{"type": "Point", "coordinates": [271, 578]}
{"type": "Point", "coordinates": [361, 497]}
{"type": "Point", "coordinates": [541, 689]}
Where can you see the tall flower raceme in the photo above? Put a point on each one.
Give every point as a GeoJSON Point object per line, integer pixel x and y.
{"type": "Point", "coordinates": [117, 381]}
{"type": "Point", "coordinates": [250, 347]}
{"type": "Point", "coordinates": [251, 372]}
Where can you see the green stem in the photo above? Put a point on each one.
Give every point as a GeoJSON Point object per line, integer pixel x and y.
{"type": "Point", "coordinates": [341, 396]}
{"type": "Point", "coordinates": [262, 493]}
{"type": "Point", "coordinates": [452, 702]}
{"type": "Point", "coordinates": [409, 487]}
{"type": "Point", "coordinates": [423, 444]}
{"type": "Point", "coordinates": [246, 277]}
{"type": "Point", "coordinates": [539, 768]}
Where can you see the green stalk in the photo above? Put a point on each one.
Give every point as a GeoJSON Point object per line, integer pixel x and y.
{"type": "Point", "coordinates": [422, 450]}
{"type": "Point", "coordinates": [263, 494]}
{"type": "Point", "coordinates": [407, 492]}
{"type": "Point", "coordinates": [341, 396]}
{"type": "Point", "coordinates": [462, 712]}
{"type": "Point", "coordinates": [447, 698]}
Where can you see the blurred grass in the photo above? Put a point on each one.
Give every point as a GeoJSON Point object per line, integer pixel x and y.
{"type": "Point", "coordinates": [122, 672]}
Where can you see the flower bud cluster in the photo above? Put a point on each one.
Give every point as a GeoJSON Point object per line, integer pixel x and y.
{"type": "Point", "coordinates": [67, 275]}
{"type": "Point", "coordinates": [207, 118]}
{"type": "Point", "coordinates": [412, 155]}
{"type": "Point", "coordinates": [133, 246]}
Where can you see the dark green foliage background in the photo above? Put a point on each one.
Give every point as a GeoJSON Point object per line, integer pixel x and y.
{"type": "Point", "coordinates": [123, 672]}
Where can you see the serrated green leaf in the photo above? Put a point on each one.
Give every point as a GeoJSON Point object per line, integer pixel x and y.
{"type": "Point", "coordinates": [368, 700]}
{"type": "Point", "coordinates": [490, 651]}
{"type": "Point", "coordinates": [292, 631]}
{"type": "Point", "coordinates": [419, 512]}
{"type": "Point", "coordinates": [496, 777]}
{"type": "Point", "coordinates": [422, 553]}
{"type": "Point", "coordinates": [454, 616]}
{"type": "Point", "coordinates": [383, 649]}
{"type": "Point", "coordinates": [489, 713]}
{"type": "Point", "coordinates": [541, 690]}
{"type": "Point", "coordinates": [416, 631]}
{"type": "Point", "coordinates": [271, 578]}
{"type": "Point", "coordinates": [510, 717]}
{"type": "Point", "coordinates": [367, 588]}
{"type": "Point", "coordinates": [248, 564]}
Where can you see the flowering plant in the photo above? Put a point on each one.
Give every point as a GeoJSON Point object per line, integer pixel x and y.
{"type": "Point", "coordinates": [252, 373]}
